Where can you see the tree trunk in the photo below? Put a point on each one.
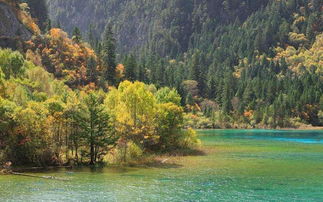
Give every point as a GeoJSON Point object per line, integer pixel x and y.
{"type": "Point", "coordinates": [66, 142]}
{"type": "Point", "coordinates": [76, 151]}
{"type": "Point", "coordinates": [92, 154]}
{"type": "Point", "coordinates": [125, 152]}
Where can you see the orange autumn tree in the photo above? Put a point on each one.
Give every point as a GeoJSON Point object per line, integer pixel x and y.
{"type": "Point", "coordinates": [76, 63]}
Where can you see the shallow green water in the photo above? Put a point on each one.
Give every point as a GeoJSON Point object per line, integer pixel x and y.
{"type": "Point", "coordinates": [240, 165]}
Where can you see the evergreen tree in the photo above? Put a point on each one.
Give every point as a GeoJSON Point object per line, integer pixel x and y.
{"type": "Point", "coordinates": [227, 93]}
{"type": "Point", "coordinates": [77, 36]}
{"type": "Point", "coordinates": [92, 73]}
{"type": "Point", "coordinates": [91, 36]}
{"type": "Point", "coordinates": [48, 25]}
{"type": "Point", "coordinates": [194, 73]}
{"type": "Point", "coordinates": [131, 67]}
{"type": "Point", "coordinates": [212, 89]}
{"type": "Point", "coordinates": [108, 55]}
{"type": "Point", "coordinates": [58, 24]}
{"type": "Point", "coordinates": [95, 127]}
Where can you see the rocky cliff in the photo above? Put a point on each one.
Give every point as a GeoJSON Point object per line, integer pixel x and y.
{"type": "Point", "coordinates": [12, 31]}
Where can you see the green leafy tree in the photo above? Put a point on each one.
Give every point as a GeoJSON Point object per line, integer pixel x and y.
{"type": "Point", "coordinates": [168, 95]}
{"type": "Point", "coordinates": [169, 119]}
{"type": "Point", "coordinates": [11, 63]}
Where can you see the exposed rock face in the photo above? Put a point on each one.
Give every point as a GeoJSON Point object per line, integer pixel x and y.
{"type": "Point", "coordinates": [12, 31]}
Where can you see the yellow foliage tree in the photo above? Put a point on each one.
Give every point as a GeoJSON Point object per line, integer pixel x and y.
{"type": "Point", "coordinates": [298, 59]}
{"type": "Point", "coordinates": [132, 106]}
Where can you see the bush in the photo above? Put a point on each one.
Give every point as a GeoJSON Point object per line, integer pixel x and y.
{"type": "Point", "coordinates": [189, 139]}
{"type": "Point", "coordinates": [198, 121]}
{"type": "Point", "coordinates": [125, 154]}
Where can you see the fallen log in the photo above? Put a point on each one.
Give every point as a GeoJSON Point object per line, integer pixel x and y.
{"type": "Point", "coordinates": [42, 177]}
{"type": "Point", "coordinates": [26, 169]}
{"type": "Point", "coordinates": [7, 170]}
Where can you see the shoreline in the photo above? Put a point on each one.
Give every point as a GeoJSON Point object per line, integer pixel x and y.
{"type": "Point", "coordinates": [305, 128]}
{"type": "Point", "coordinates": [284, 129]}
{"type": "Point", "coordinates": [161, 160]}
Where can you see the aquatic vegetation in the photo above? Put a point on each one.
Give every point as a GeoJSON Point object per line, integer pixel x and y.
{"type": "Point", "coordinates": [240, 165]}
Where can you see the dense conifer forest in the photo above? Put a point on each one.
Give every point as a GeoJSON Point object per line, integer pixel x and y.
{"type": "Point", "coordinates": [235, 63]}
{"type": "Point", "coordinates": [88, 81]}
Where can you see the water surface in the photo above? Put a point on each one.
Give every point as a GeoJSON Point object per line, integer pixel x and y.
{"type": "Point", "coordinates": [240, 165]}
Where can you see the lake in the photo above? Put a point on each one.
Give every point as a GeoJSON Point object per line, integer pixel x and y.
{"type": "Point", "coordinates": [239, 165]}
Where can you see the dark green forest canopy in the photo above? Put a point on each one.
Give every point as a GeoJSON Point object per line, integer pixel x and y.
{"type": "Point", "coordinates": [144, 23]}
{"type": "Point", "coordinates": [241, 54]}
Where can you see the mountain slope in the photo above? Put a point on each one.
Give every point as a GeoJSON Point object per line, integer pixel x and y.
{"type": "Point", "coordinates": [249, 61]}
{"type": "Point", "coordinates": [11, 29]}
{"type": "Point", "coordinates": [137, 23]}
{"type": "Point", "coordinates": [252, 62]}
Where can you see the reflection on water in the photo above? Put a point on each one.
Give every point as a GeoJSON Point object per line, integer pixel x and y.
{"type": "Point", "coordinates": [300, 136]}
{"type": "Point", "coordinates": [300, 140]}
{"type": "Point", "coordinates": [240, 165]}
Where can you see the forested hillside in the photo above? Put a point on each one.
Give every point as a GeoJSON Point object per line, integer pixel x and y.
{"type": "Point", "coordinates": [168, 27]}
{"type": "Point", "coordinates": [44, 122]}
{"type": "Point", "coordinates": [127, 82]}
{"type": "Point", "coordinates": [62, 103]}
{"type": "Point", "coordinates": [252, 63]}
{"type": "Point", "coordinates": [206, 64]}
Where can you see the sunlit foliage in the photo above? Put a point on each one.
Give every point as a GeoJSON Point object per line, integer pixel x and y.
{"type": "Point", "coordinates": [67, 59]}
{"type": "Point", "coordinates": [303, 59]}
{"type": "Point", "coordinates": [44, 122]}
{"type": "Point", "coordinates": [151, 121]}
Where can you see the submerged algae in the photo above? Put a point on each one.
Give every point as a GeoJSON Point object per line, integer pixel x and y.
{"type": "Point", "coordinates": [240, 165]}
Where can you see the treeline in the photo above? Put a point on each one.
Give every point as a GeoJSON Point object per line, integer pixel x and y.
{"type": "Point", "coordinates": [58, 104]}
{"type": "Point", "coordinates": [44, 122]}
{"type": "Point", "coordinates": [235, 63]}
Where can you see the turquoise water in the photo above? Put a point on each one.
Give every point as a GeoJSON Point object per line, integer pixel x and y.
{"type": "Point", "coordinates": [239, 165]}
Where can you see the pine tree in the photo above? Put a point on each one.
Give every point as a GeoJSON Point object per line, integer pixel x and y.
{"type": "Point", "coordinates": [95, 127]}
{"type": "Point", "coordinates": [194, 73]}
{"type": "Point", "coordinates": [91, 36]}
{"type": "Point", "coordinates": [109, 55]}
{"type": "Point", "coordinates": [131, 66]}
{"type": "Point", "coordinates": [212, 89]}
{"type": "Point", "coordinates": [58, 24]}
{"type": "Point", "coordinates": [227, 92]}
{"type": "Point", "coordinates": [92, 72]}
{"type": "Point", "coordinates": [48, 25]}
{"type": "Point", "coordinates": [77, 36]}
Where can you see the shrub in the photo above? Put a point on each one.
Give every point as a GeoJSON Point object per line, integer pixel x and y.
{"type": "Point", "coordinates": [189, 139]}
